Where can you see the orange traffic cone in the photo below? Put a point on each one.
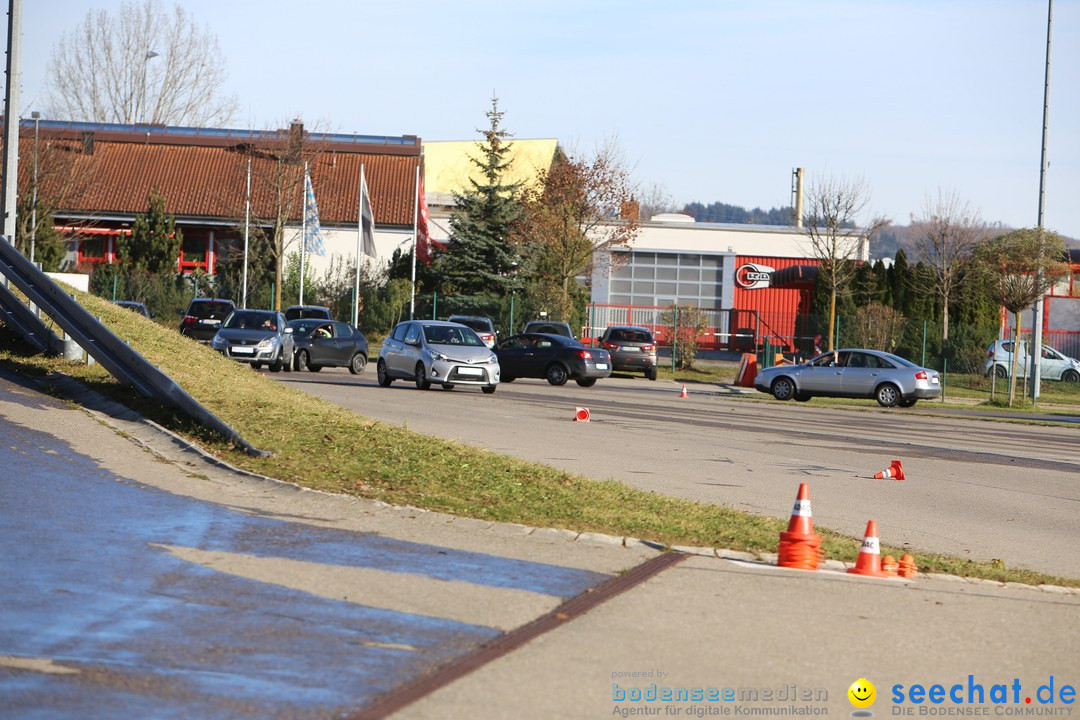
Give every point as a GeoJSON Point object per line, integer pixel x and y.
{"type": "Point", "coordinates": [869, 560]}
{"type": "Point", "coordinates": [907, 567]}
{"type": "Point", "coordinates": [800, 547]}
{"type": "Point", "coordinates": [889, 566]}
{"type": "Point", "coordinates": [683, 393]}
{"type": "Point", "coordinates": [581, 414]}
{"type": "Point", "coordinates": [895, 471]}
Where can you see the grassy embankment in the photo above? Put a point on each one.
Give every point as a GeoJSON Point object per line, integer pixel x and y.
{"type": "Point", "coordinates": [322, 446]}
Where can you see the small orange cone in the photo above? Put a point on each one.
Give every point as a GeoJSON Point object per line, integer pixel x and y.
{"type": "Point", "coordinates": [683, 393]}
{"type": "Point", "coordinates": [869, 560]}
{"type": "Point", "coordinates": [800, 547]}
{"type": "Point", "coordinates": [581, 414]}
{"type": "Point", "coordinates": [907, 567]}
{"type": "Point", "coordinates": [889, 566]}
{"type": "Point", "coordinates": [895, 471]}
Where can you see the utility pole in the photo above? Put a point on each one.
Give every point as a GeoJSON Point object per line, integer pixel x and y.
{"type": "Point", "coordinates": [1037, 331]}
{"type": "Point", "coordinates": [11, 120]}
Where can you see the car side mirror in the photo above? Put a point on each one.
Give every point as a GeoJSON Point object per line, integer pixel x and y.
{"type": "Point", "coordinates": [179, 311]}
{"type": "Point", "coordinates": [288, 331]}
{"type": "Point", "coordinates": [414, 343]}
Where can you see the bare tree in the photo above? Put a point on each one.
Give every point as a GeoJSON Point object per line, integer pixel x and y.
{"type": "Point", "coordinates": [654, 200]}
{"type": "Point", "coordinates": [945, 235]}
{"type": "Point", "coordinates": [146, 64]}
{"type": "Point", "coordinates": [1024, 265]}
{"type": "Point", "coordinates": [833, 207]}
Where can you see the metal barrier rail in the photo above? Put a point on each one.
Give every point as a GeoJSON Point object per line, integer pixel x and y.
{"type": "Point", "coordinates": [115, 355]}
{"type": "Point", "coordinates": [26, 323]}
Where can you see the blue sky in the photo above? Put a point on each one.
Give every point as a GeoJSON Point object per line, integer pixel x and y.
{"type": "Point", "coordinates": [712, 100]}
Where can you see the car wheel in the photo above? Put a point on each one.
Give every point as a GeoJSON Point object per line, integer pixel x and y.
{"type": "Point", "coordinates": [1001, 372]}
{"type": "Point", "coordinates": [651, 372]}
{"type": "Point", "coordinates": [783, 389]}
{"type": "Point", "coordinates": [275, 366]}
{"type": "Point", "coordinates": [586, 382]}
{"type": "Point", "coordinates": [888, 395]}
{"type": "Point", "coordinates": [286, 365]}
{"type": "Point", "coordinates": [447, 386]}
{"type": "Point", "coordinates": [909, 402]}
{"type": "Point", "coordinates": [421, 377]}
{"type": "Point", "coordinates": [358, 363]}
{"type": "Point", "coordinates": [256, 366]}
{"type": "Point", "coordinates": [1070, 376]}
{"type": "Point", "coordinates": [384, 376]}
{"type": "Point", "coordinates": [489, 389]}
{"type": "Point", "coordinates": [303, 360]}
{"type": "Point", "coordinates": [556, 374]}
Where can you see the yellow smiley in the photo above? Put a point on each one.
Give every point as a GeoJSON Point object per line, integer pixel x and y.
{"type": "Point", "coordinates": [862, 693]}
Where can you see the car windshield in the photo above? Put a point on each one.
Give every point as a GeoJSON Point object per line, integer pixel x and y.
{"type": "Point", "coordinates": [450, 335]}
{"type": "Point", "coordinates": [251, 320]}
{"type": "Point", "coordinates": [210, 309]}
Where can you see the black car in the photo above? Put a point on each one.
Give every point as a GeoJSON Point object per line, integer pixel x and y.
{"type": "Point", "coordinates": [632, 348]}
{"type": "Point", "coordinates": [550, 328]}
{"type": "Point", "coordinates": [323, 343]}
{"type": "Point", "coordinates": [299, 312]}
{"type": "Point", "coordinates": [204, 316]}
{"type": "Point", "coordinates": [553, 357]}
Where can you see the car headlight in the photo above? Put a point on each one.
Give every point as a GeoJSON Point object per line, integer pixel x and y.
{"type": "Point", "coordinates": [267, 343]}
{"type": "Point", "coordinates": [492, 359]}
{"type": "Point", "coordinates": [438, 356]}
{"type": "Point", "coordinates": [217, 342]}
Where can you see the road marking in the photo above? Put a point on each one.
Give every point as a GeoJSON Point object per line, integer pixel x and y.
{"type": "Point", "coordinates": [43, 665]}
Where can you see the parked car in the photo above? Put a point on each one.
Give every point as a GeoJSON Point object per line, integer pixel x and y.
{"type": "Point", "coordinates": [323, 343]}
{"type": "Point", "coordinates": [888, 378]}
{"type": "Point", "coordinates": [299, 312]}
{"type": "Point", "coordinates": [1055, 366]}
{"type": "Point", "coordinates": [434, 352]}
{"type": "Point", "coordinates": [483, 326]}
{"type": "Point", "coordinates": [550, 328]}
{"type": "Point", "coordinates": [256, 337]}
{"type": "Point", "coordinates": [135, 307]}
{"type": "Point", "coordinates": [553, 357]}
{"type": "Point", "coordinates": [203, 317]}
{"type": "Point", "coordinates": [632, 348]}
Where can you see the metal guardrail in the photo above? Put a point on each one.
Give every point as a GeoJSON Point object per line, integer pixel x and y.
{"type": "Point", "coordinates": [26, 323]}
{"type": "Point", "coordinates": [115, 355]}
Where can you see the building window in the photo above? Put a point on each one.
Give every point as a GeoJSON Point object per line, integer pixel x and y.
{"type": "Point", "coordinates": [94, 250]}
{"type": "Point", "coordinates": [661, 279]}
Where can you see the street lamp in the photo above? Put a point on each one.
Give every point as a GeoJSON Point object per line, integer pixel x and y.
{"type": "Point", "coordinates": [140, 116]}
{"type": "Point", "coordinates": [33, 193]}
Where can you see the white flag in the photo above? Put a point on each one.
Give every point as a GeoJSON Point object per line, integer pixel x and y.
{"type": "Point", "coordinates": [313, 236]}
{"type": "Point", "coordinates": [367, 219]}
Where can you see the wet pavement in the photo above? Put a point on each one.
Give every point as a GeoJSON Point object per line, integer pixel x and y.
{"type": "Point", "coordinates": [123, 600]}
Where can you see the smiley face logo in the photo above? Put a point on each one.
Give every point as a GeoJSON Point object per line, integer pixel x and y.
{"type": "Point", "coordinates": [862, 693]}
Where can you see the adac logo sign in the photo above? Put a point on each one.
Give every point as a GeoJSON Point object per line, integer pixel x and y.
{"type": "Point", "coordinates": [752, 276]}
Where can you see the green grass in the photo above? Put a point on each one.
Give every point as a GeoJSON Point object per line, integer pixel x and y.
{"type": "Point", "coordinates": [322, 446]}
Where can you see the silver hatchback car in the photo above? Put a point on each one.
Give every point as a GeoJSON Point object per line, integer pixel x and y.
{"type": "Point", "coordinates": [430, 352]}
{"type": "Point", "coordinates": [888, 378]}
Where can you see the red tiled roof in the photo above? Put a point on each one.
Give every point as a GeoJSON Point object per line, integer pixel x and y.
{"type": "Point", "coordinates": [204, 182]}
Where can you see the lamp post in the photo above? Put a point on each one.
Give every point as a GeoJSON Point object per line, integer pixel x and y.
{"type": "Point", "coordinates": [33, 192]}
{"type": "Point", "coordinates": [140, 114]}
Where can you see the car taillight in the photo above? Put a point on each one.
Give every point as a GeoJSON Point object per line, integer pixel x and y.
{"type": "Point", "coordinates": [585, 354]}
{"type": "Point", "coordinates": [921, 375]}
{"type": "Point", "coordinates": [190, 320]}
{"type": "Point", "coordinates": [649, 348]}
{"type": "Point", "coordinates": [610, 346]}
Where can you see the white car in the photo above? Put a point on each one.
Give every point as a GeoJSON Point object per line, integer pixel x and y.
{"type": "Point", "coordinates": [1055, 366]}
{"type": "Point", "coordinates": [431, 352]}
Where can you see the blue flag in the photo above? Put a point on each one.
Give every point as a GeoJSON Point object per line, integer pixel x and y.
{"type": "Point", "coordinates": [313, 236]}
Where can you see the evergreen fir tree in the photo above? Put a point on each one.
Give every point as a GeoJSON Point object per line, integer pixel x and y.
{"type": "Point", "coordinates": [154, 243]}
{"type": "Point", "coordinates": [479, 258]}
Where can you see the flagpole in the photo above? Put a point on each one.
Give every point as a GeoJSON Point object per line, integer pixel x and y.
{"type": "Point", "coordinates": [303, 233]}
{"type": "Point", "coordinates": [416, 211]}
{"type": "Point", "coordinates": [359, 235]}
{"type": "Point", "coordinates": [247, 226]}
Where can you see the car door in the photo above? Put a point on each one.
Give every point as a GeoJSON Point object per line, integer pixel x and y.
{"type": "Point", "coordinates": [824, 376]}
{"type": "Point", "coordinates": [411, 346]}
{"type": "Point", "coordinates": [394, 348]}
{"type": "Point", "coordinates": [1053, 364]}
{"type": "Point", "coordinates": [861, 374]}
{"type": "Point", "coordinates": [514, 355]}
{"type": "Point", "coordinates": [342, 343]}
{"type": "Point", "coordinates": [321, 345]}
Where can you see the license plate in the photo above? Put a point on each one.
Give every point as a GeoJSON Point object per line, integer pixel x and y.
{"type": "Point", "coordinates": [210, 322]}
{"type": "Point", "coordinates": [934, 380]}
{"type": "Point", "coordinates": [243, 351]}
{"type": "Point", "coordinates": [470, 371]}
{"type": "Point", "coordinates": [601, 366]}
{"type": "Point", "coordinates": [630, 349]}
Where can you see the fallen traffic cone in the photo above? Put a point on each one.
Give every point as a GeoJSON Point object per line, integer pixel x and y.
{"type": "Point", "coordinates": [895, 471]}
{"type": "Point", "coordinates": [907, 567]}
{"type": "Point", "coordinates": [800, 547]}
{"type": "Point", "coordinates": [869, 560]}
{"type": "Point", "coordinates": [581, 414]}
{"type": "Point", "coordinates": [683, 393]}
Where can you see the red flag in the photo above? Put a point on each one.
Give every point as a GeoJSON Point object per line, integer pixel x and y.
{"type": "Point", "coordinates": [423, 238]}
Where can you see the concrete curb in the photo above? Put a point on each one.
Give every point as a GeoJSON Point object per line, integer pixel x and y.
{"type": "Point", "coordinates": [173, 448]}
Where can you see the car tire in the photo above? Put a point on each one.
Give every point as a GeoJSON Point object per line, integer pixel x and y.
{"type": "Point", "coordinates": [556, 374]}
{"type": "Point", "coordinates": [384, 376]}
{"type": "Point", "coordinates": [275, 365]}
{"type": "Point", "coordinates": [783, 388]}
{"type": "Point", "coordinates": [1001, 371]}
{"type": "Point", "coordinates": [1070, 376]}
{"type": "Point", "coordinates": [447, 386]}
{"type": "Point", "coordinates": [489, 389]}
{"type": "Point", "coordinates": [357, 364]}
{"type": "Point", "coordinates": [422, 382]}
{"type": "Point", "coordinates": [256, 366]}
{"type": "Point", "coordinates": [651, 372]}
{"type": "Point", "coordinates": [286, 365]}
{"type": "Point", "coordinates": [887, 395]}
{"type": "Point", "coordinates": [303, 360]}
{"type": "Point", "coordinates": [909, 402]}
{"type": "Point", "coordinates": [586, 382]}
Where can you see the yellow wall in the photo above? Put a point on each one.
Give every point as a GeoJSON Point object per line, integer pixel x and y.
{"type": "Point", "coordinates": [447, 167]}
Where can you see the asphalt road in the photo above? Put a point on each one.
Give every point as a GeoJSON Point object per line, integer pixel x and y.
{"type": "Point", "coordinates": [975, 488]}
